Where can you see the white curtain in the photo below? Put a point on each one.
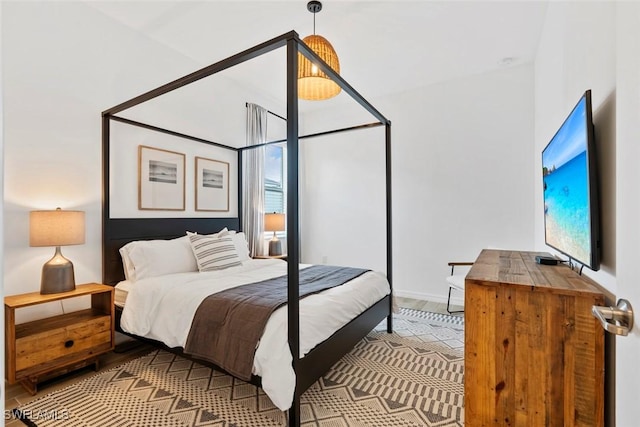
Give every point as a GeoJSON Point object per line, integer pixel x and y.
{"type": "Point", "coordinates": [253, 179]}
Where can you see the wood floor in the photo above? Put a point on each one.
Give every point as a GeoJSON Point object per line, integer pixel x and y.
{"type": "Point", "coordinates": [15, 395]}
{"type": "Point", "coordinates": [434, 307]}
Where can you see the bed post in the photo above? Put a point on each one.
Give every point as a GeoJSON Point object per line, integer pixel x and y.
{"type": "Point", "coordinates": [240, 191]}
{"type": "Point", "coordinates": [106, 143]}
{"type": "Point", "coordinates": [293, 232]}
{"type": "Point", "coordinates": [389, 223]}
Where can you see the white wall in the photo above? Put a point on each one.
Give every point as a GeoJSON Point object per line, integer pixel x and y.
{"type": "Point", "coordinates": [63, 64]}
{"type": "Point", "coordinates": [343, 204]}
{"type": "Point", "coordinates": [462, 181]}
{"type": "Point", "coordinates": [577, 52]}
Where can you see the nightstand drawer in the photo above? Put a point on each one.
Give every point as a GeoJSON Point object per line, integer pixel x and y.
{"type": "Point", "coordinates": [38, 344]}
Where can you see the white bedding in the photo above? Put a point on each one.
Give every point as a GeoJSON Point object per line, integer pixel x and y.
{"type": "Point", "coordinates": [162, 308]}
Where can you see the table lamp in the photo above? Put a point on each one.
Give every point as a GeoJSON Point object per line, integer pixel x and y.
{"type": "Point", "coordinates": [56, 228]}
{"type": "Point", "coordinates": [274, 222]}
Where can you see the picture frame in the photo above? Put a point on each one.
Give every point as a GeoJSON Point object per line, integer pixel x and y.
{"type": "Point", "coordinates": [161, 179]}
{"type": "Point", "coordinates": [212, 185]}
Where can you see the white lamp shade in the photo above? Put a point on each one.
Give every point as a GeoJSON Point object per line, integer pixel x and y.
{"type": "Point", "coordinates": [56, 228]}
{"type": "Point", "coordinates": [274, 222]}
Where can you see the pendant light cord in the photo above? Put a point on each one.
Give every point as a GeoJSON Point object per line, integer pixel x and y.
{"type": "Point", "coordinates": [314, 7]}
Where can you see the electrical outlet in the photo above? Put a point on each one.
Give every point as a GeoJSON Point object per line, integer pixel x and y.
{"type": "Point", "coordinates": [324, 259]}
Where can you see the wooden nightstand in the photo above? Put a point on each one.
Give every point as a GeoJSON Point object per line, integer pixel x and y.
{"type": "Point", "coordinates": [44, 348]}
{"type": "Point", "coordinates": [283, 257]}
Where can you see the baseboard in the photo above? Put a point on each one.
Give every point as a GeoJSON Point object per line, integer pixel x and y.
{"type": "Point", "coordinates": [455, 299]}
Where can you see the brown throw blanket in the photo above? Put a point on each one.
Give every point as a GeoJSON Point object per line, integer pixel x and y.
{"type": "Point", "coordinates": [228, 325]}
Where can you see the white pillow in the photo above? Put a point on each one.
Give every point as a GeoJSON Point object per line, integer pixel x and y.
{"type": "Point", "coordinates": [127, 264]}
{"type": "Point", "coordinates": [214, 253]}
{"type": "Point", "coordinates": [220, 233]}
{"type": "Point", "coordinates": [240, 242]}
{"type": "Point", "coordinates": [151, 258]}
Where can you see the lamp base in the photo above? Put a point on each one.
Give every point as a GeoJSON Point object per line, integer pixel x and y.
{"type": "Point", "coordinates": [275, 247]}
{"type": "Point", "coordinates": [57, 275]}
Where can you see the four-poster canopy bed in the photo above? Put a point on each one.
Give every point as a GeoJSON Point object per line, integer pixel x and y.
{"type": "Point", "coordinates": [118, 232]}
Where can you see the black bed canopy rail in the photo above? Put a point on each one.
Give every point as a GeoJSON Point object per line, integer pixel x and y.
{"type": "Point", "coordinates": [246, 55]}
{"type": "Point", "coordinates": [313, 135]}
{"type": "Point", "coordinates": [239, 58]}
{"type": "Point", "coordinates": [170, 132]}
{"type": "Point", "coordinates": [228, 147]}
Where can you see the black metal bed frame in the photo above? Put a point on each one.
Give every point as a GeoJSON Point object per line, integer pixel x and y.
{"type": "Point", "coordinates": [117, 232]}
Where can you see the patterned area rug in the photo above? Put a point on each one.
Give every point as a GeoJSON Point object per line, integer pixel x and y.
{"type": "Point", "coordinates": [413, 377]}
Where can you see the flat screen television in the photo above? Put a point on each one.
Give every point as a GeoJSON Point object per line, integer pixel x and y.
{"type": "Point", "coordinates": [570, 186]}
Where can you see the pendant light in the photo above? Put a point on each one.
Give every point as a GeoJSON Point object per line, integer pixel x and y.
{"type": "Point", "coordinates": [313, 84]}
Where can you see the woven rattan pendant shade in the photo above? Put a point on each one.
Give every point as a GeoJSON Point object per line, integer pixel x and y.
{"type": "Point", "coordinates": [313, 84]}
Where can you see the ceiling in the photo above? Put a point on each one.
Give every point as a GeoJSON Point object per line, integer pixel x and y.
{"type": "Point", "coordinates": [384, 46]}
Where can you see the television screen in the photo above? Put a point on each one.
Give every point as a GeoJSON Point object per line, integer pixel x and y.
{"type": "Point", "coordinates": [571, 217]}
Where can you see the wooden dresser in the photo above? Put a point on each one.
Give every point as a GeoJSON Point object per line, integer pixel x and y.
{"type": "Point", "coordinates": [534, 354]}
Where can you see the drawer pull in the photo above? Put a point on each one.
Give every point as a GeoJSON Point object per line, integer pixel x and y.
{"type": "Point", "coordinates": [68, 344]}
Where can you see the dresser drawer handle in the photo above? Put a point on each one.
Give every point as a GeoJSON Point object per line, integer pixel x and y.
{"type": "Point", "coordinates": [68, 344]}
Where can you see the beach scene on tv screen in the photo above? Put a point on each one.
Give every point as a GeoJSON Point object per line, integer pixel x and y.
{"type": "Point", "coordinates": [566, 189]}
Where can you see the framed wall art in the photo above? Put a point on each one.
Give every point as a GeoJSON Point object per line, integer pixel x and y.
{"type": "Point", "coordinates": [161, 177]}
{"type": "Point", "coordinates": [212, 185]}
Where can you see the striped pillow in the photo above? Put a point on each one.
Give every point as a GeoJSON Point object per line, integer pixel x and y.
{"type": "Point", "coordinates": [214, 253]}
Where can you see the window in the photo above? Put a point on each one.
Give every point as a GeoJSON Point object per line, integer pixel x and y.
{"type": "Point", "coordinates": [274, 179]}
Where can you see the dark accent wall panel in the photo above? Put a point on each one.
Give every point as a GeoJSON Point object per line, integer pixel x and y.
{"type": "Point", "coordinates": [125, 230]}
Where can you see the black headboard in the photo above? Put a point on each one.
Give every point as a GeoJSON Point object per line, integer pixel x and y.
{"type": "Point", "coordinates": [119, 232]}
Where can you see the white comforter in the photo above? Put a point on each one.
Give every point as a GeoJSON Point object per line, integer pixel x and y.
{"type": "Point", "coordinates": [162, 308]}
